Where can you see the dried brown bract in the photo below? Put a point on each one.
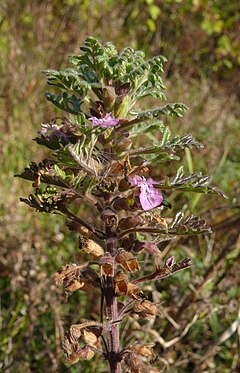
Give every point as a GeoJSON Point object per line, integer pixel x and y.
{"type": "Point", "coordinates": [123, 287]}
{"type": "Point", "coordinates": [136, 365]}
{"type": "Point", "coordinates": [145, 309]}
{"type": "Point", "coordinates": [127, 261]}
{"type": "Point", "coordinates": [107, 265]}
{"type": "Point", "coordinates": [77, 277]}
{"type": "Point", "coordinates": [91, 247]}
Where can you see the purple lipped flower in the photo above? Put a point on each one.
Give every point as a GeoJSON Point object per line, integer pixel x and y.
{"type": "Point", "coordinates": [55, 131]}
{"type": "Point", "coordinates": [104, 122]}
{"type": "Point", "coordinates": [149, 196]}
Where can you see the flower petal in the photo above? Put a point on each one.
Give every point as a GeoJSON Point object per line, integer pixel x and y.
{"type": "Point", "coordinates": [149, 197]}
{"type": "Point", "coordinates": [136, 180]}
{"type": "Point", "coordinates": [104, 122]}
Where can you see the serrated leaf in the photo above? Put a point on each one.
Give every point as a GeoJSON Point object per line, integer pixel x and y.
{"type": "Point", "coordinates": [53, 144]}
{"type": "Point", "coordinates": [192, 182]}
{"type": "Point", "coordinates": [71, 104]}
{"type": "Point", "coordinates": [146, 127]}
{"type": "Point", "coordinates": [188, 225]}
{"type": "Point", "coordinates": [169, 109]}
{"type": "Point", "coordinates": [47, 172]}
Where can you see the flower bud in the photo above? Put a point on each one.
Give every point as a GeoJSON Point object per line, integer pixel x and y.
{"type": "Point", "coordinates": [150, 247]}
{"type": "Point", "coordinates": [109, 97]}
{"type": "Point", "coordinates": [170, 262]}
{"type": "Point", "coordinates": [121, 204]}
{"type": "Point", "coordinates": [123, 185]}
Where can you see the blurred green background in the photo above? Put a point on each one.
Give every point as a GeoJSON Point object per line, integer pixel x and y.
{"type": "Point", "coordinates": [201, 41]}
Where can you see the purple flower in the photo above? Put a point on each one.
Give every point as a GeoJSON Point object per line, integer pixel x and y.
{"type": "Point", "coordinates": [105, 122]}
{"type": "Point", "coordinates": [56, 131]}
{"type": "Point", "coordinates": [149, 196]}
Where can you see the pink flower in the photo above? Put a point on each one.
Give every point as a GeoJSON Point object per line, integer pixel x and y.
{"type": "Point", "coordinates": [105, 122]}
{"type": "Point", "coordinates": [149, 196]}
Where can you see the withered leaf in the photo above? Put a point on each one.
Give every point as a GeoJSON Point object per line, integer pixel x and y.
{"type": "Point", "coordinates": [134, 292]}
{"type": "Point", "coordinates": [68, 271]}
{"type": "Point", "coordinates": [77, 285]}
{"type": "Point", "coordinates": [121, 284]}
{"type": "Point", "coordinates": [122, 287]}
{"type": "Point", "coordinates": [89, 338]}
{"type": "Point", "coordinates": [145, 350]}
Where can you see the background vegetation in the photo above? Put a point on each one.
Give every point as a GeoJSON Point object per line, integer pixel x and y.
{"type": "Point", "coordinates": [199, 326]}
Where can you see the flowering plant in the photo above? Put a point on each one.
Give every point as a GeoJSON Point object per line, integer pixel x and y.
{"type": "Point", "coordinates": [96, 160]}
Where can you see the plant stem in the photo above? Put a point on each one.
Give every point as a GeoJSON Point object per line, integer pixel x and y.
{"type": "Point", "coordinates": [112, 311]}
{"type": "Point", "coordinates": [112, 315]}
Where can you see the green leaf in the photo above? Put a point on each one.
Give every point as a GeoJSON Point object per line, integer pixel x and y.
{"type": "Point", "coordinates": [53, 144]}
{"type": "Point", "coordinates": [169, 109]}
{"type": "Point", "coordinates": [154, 11]}
{"type": "Point", "coordinates": [45, 201]}
{"type": "Point", "coordinates": [72, 80]}
{"type": "Point", "coordinates": [146, 127]}
{"type": "Point", "coordinates": [71, 104]}
{"type": "Point", "coordinates": [192, 182]}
